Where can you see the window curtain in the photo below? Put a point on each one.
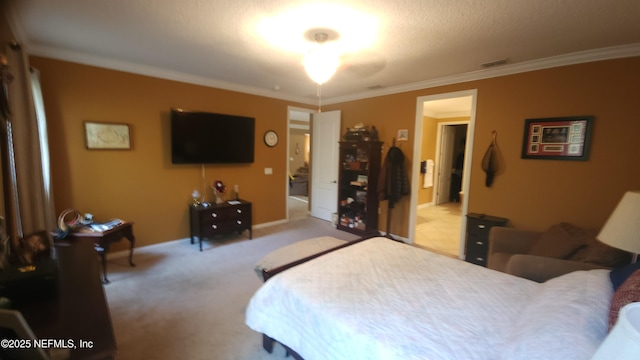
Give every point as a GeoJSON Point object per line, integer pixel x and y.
{"type": "Point", "coordinates": [35, 211]}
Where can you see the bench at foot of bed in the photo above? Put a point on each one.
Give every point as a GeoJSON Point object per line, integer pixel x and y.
{"type": "Point", "coordinates": [294, 252]}
{"type": "Point", "coordinates": [268, 343]}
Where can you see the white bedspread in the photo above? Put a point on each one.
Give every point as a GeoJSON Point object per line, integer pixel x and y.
{"type": "Point", "coordinates": [380, 299]}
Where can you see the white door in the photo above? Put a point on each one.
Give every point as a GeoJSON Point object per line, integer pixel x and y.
{"type": "Point", "coordinates": [447, 136]}
{"type": "Point", "coordinates": [325, 134]}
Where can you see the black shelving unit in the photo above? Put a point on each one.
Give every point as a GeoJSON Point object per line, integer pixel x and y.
{"type": "Point", "coordinates": [357, 187]}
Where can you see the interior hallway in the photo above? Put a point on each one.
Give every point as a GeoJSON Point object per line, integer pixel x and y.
{"type": "Point", "coordinates": [298, 207]}
{"type": "Point", "coordinates": [438, 228]}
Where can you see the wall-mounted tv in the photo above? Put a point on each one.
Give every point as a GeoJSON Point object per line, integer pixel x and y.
{"type": "Point", "coordinates": [206, 138]}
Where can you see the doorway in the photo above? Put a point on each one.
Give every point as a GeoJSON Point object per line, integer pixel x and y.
{"type": "Point", "coordinates": [440, 179]}
{"type": "Point", "coordinates": [317, 191]}
{"type": "Point", "coordinates": [450, 152]}
{"type": "Point", "coordinates": [298, 163]}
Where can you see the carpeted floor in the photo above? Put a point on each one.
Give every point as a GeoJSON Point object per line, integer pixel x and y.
{"type": "Point", "coordinates": [180, 303]}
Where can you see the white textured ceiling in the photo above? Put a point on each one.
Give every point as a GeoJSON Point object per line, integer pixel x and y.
{"type": "Point", "coordinates": [419, 43]}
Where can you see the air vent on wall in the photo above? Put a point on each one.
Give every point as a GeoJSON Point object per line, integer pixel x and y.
{"type": "Point", "coordinates": [494, 63]}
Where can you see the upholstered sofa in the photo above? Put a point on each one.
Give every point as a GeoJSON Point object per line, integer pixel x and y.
{"type": "Point", "coordinates": [299, 182]}
{"type": "Point", "coordinates": [299, 185]}
{"type": "Point", "coordinates": [542, 255]}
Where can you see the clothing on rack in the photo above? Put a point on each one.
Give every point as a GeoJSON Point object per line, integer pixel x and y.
{"type": "Point", "coordinates": [393, 182]}
{"type": "Point", "coordinates": [491, 161]}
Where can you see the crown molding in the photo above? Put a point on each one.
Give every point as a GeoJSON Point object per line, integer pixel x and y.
{"type": "Point", "coordinates": [156, 72]}
{"type": "Point", "coordinates": [622, 51]}
{"type": "Point", "coordinates": [616, 52]}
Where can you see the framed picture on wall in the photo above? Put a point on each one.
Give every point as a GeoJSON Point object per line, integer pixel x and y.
{"type": "Point", "coordinates": [565, 138]}
{"type": "Point", "coordinates": [403, 135]}
{"type": "Point", "coordinates": [105, 136]}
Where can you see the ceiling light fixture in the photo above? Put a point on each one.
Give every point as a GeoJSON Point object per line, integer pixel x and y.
{"type": "Point", "coordinates": [329, 32]}
{"type": "Point", "coordinates": [321, 62]}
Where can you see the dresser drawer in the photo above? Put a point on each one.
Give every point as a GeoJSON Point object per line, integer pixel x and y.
{"type": "Point", "coordinates": [223, 227]}
{"type": "Point", "coordinates": [478, 227]}
{"type": "Point", "coordinates": [476, 251]}
{"type": "Point", "coordinates": [476, 257]}
{"type": "Point", "coordinates": [219, 219]}
{"type": "Point", "coordinates": [225, 213]}
{"type": "Point", "coordinates": [477, 242]}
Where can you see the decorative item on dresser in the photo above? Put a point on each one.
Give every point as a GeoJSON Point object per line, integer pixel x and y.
{"type": "Point", "coordinates": [478, 227]}
{"type": "Point", "coordinates": [219, 188]}
{"type": "Point", "coordinates": [208, 220]}
{"type": "Point", "coordinates": [357, 184]}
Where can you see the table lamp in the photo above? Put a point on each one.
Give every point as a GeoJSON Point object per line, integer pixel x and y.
{"type": "Point", "coordinates": [623, 342]}
{"type": "Point", "coordinates": [622, 230]}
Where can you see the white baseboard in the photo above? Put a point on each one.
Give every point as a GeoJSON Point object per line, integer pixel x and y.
{"type": "Point", "coordinates": [125, 253]}
{"type": "Point", "coordinates": [426, 205]}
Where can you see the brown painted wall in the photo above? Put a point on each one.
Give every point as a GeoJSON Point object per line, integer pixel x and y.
{"type": "Point", "coordinates": [142, 185]}
{"type": "Point", "coordinates": [534, 194]}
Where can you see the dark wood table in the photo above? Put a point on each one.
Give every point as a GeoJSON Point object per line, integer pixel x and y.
{"type": "Point", "coordinates": [103, 240]}
{"type": "Point", "coordinates": [77, 309]}
{"type": "Point", "coordinates": [218, 219]}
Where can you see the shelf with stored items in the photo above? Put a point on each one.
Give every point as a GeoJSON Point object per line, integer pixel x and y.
{"type": "Point", "coordinates": [357, 185]}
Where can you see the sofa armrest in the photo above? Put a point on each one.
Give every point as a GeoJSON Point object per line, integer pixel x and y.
{"type": "Point", "coordinates": [504, 242]}
{"type": "Point", "coordinates": [541, 269]}
{"type": "Point", "coordinates": [511, 241]}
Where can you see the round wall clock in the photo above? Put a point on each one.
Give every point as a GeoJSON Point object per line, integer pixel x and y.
{"type": "Point", "coordinates": [271, 138]}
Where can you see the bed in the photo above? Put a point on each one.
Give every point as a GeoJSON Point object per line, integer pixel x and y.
{"type": "Point", "coordinates": [381, 299]}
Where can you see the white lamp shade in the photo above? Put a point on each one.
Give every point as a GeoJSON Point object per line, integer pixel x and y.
{"type": "Point", "coordinates": [622, 230]}
{"type": "Point", "coordinates": [321, 63]}
{"type": "Point", "coordinates": [623, 342]}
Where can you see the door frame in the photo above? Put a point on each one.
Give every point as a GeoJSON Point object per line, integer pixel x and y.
{"type": "Point", "coordinates": [417, 151]}
{"type": "Point", "coordinates": [439, 154]}
{"type": "Point", "coordinates": [287, 155]}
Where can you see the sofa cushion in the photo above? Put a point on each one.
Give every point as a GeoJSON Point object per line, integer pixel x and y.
{"type": "Point", "coordinates": [559, 241]}
{"type": "Point", "coordinates": [627, 293]}
{"type": "Point", "coordinates": [596, 252]}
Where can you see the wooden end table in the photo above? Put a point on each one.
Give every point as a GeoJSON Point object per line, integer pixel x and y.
{"type": "Point", "coordinates": [102, 241]}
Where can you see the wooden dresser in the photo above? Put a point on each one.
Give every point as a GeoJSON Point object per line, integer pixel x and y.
{"type": "Point", "coordinates": [477, 245]}
{"type": "Point", "coordinates": [219, 219]}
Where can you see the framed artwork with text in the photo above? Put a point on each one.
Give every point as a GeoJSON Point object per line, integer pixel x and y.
{"type": "Point", "coordinates": [565, 138]}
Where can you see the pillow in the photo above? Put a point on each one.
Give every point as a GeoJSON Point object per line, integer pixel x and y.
{"type": "Point", "coordinates": [619, 275]}
{"type": "Point", "coordinates": [627, 293]}
{"type": "Point", "coordinates": [559, 241]}
{"type": "Point", "coordinates": [564, 318]}
{"type": "Point", "coordinates": [599, 253]}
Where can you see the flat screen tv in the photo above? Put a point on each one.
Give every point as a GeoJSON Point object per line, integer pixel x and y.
{"type": "Point", "coordinates": [207, 138]}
